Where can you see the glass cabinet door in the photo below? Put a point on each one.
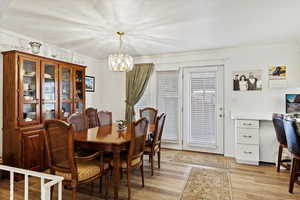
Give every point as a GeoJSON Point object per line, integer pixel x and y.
{"type": "Point", "coordinates": [66, 83]}
{"type": "Point", "coordinates": [79, 90]}
{"type": "Point", "coordinates": [66, 92]}
{"type": "Point", "coordinates": [29, 90]}
{"type": "Point", "coordinates": [79, 85]}
{"type": "Point", "coordinates": [49, 78]}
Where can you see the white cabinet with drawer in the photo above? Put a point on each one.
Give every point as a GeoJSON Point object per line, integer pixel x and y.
{"type": "Point", "coordinates": [247, 141]}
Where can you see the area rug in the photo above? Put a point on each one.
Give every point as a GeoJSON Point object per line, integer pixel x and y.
{"type": "Point", "coordinates": [207, 184]}
{"type": "Point", "coordinates": [194, 158]}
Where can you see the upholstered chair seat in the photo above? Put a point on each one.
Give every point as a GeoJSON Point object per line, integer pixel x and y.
{"type": "Point", "coordinates": [149, 148]}
{"type": "Point", "coordinates": [134, 162]}
{"type": "Point", "coordinates": [85, 169]}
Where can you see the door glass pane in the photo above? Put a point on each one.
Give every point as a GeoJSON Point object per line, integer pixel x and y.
{"type": "Point", "coordinates": [66, 84]}
{"type": "Point", "coordinates": [29, 112]}
{"type": "Point", "coordinates": [203, 108]}
{"type": "Point", "coordinates": [29, 80]}
{"type": "Point", "coordinates": [66, 109]}
{"type": "Point", "coordinates": [79, 87]}
{"type": "Point", "coordinates": [78, 106]}
{"type": "Point", "coordinates": [49, 82]}
{"type": "Point", "coordinates": [49, 111]}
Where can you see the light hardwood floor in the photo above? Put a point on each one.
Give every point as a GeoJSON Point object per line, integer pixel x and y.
{"type": "Point", "coordinates": [247, 182]}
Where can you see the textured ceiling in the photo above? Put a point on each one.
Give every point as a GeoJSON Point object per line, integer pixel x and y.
{"type": "Point", "coordinates": [152, 26]}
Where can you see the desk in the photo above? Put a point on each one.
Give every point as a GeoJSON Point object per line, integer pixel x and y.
{"type": "Point", "coordinates": [255, 139]}
{"type": "Point", "coordinates": [108, 138]}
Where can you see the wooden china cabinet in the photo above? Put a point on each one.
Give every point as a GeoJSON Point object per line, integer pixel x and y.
{"type": "Point", "coordinates": [36, 89]}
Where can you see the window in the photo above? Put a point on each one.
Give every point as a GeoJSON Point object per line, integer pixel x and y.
{"type": "Point", "coordinates": [167, 100]}
{"type": "Point", "coordinates": [145, 101]}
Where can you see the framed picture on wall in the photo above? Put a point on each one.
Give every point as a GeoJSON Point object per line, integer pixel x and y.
{"type": "Point", "coordinates": [90, 84]}
{"type": "Point", "coordinates": [277, 76]}
{"type": "Point", "coordinates": [247, 80]}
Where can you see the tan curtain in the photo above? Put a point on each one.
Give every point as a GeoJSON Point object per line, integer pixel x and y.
{"type": "Point", "coordinates": [136, 83]}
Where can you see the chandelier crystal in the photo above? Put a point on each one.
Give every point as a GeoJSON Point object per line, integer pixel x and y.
{"type": "Point", "coordinates": [120, 62]}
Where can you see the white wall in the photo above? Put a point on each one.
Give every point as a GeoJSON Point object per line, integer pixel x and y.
{"type": "Point", "coordinates": [13, 41]}
{"type": "Point", "coordinates": [112, 91]}
{"type": "Point", "coordinates": [242, 58]}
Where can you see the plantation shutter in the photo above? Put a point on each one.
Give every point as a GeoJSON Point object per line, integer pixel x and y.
{"type": "Point", "coordinates": [167, 90]}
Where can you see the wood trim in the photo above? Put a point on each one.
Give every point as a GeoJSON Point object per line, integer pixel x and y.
{"type": "Point", "coordinates": [42, 58]}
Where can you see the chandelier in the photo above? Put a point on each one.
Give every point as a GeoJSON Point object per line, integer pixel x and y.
{"type": "Point", "coordinates": [120, 62]}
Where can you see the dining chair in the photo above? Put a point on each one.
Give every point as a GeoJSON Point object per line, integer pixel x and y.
{"type": "Point", "coordinates": [293, 143]}
{"type": "Point", "coordinates": [154, 146]}
{"type": "Point", "coordinates": [92, 117]}
{"type": "Point", "coordinates": [281, 138]}
{"type": "Point", "coordinates": [149, 113]}
{"type": "Point", "coordinates": [105, 118]}
{"type": "Point", "coordinates": [134, 157]}
{"type": "Point", "coordinates": [59, 139]}
{"type": "Point", "coordinates": [79, 121]}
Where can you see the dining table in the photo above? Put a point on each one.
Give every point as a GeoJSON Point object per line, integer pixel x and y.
{"type": "Point", "coordinates": [108, 138]}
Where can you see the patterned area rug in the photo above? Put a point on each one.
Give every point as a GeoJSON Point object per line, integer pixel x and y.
{"type": "Point", "coordinates": [195, 158]}
{"type": "Point", "coordinates": [207, 184]}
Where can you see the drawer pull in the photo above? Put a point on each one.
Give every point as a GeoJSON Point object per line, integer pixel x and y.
{"type": "Point", "coordinates": [247, 136]}
{"type": "Point", "coordinates": [247, 152]}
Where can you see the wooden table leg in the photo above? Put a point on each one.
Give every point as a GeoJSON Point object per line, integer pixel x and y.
{"type": "Point", "coordinates": [116, 172]}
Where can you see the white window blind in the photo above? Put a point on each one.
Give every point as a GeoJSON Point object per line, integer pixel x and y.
{"type": "Point", "coordinates": [203, 108]}
{"type": "Point", "coordinates": [167, 99]}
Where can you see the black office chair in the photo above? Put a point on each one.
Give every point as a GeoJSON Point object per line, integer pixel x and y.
{"type": "Point", "coordinates": [293, 143]}
{"type": "Point", "coordinates": [281, 138]}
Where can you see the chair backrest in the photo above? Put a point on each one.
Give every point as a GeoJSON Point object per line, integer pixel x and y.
{"type": "Point", "coordinates": [79, 121]}
{"type": "Point", "coordinates": [91, 114]}
{"type": "Point", "coordinates": [59, 144]}
{"type": "Point", "coordinates": [149, 113]}
{"type": "Point", "coordinates": [138, 138]}
{"type": "Point", "coordinates": [160, 126]}
{"type": "Point", "coordinates": [279, 128]}
{"type": "Point", "coordinates": [292, 135]}
{"type": "Point", "coordinates": [105, 118]}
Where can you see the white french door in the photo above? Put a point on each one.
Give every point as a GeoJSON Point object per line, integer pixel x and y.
{"type": "Point", "coordinates": [203, 109]}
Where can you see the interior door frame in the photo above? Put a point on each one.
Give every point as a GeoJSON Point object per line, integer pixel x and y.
{"type": "Point", "coordinates": [185, 109]}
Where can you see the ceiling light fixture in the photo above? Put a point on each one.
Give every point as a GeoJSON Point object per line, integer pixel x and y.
{"type": "Point", "coordinates": [120, 62]}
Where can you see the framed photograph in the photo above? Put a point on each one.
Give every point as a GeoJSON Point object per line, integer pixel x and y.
{"type": "Point", "coordinates": [247, 80]}
{"type": "Point", "coordinates": [90, 84]}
